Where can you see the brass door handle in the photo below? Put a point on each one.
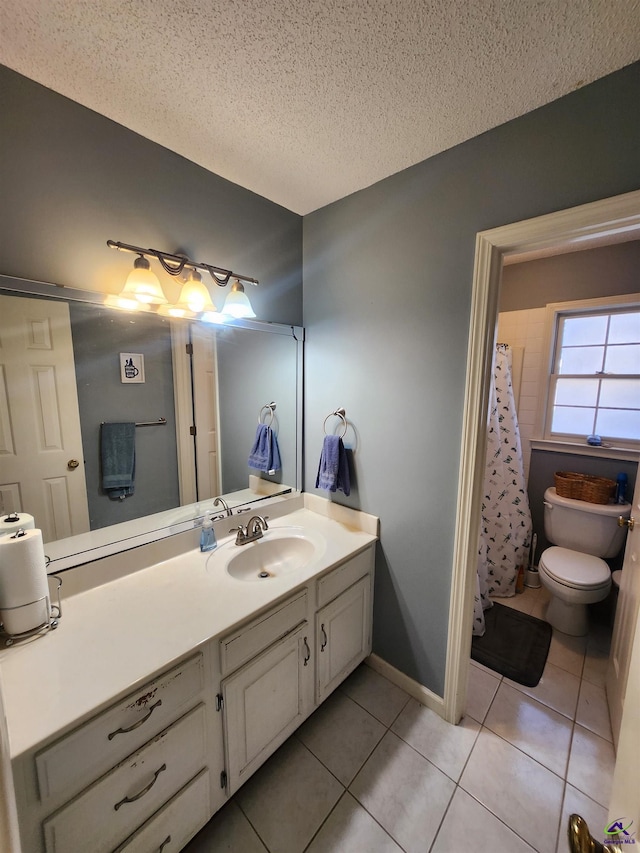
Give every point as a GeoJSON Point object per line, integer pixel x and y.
{"type": "Point", "coordinates": [72, 464]}
{"type": "Point", "coordinates": [626, 522]}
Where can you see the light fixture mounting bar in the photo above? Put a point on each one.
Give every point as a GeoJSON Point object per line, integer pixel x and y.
{"type": "Point", "coordinates": [175, 264]}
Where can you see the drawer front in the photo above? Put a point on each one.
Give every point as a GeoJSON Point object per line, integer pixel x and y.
{"type": "Point", "coordinates": [73, 762]}
{"type": "Point", "coordinates": [170, 829]}
{"type": "Point", "coordinates": [111, 809]}
{"type": "Point", "coordinates": [248, 641]}
{"type": "Point", "coordinates": [336, 581]}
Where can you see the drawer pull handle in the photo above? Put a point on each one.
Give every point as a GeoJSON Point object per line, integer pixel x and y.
{"type": "Point", "coordinates": [164, 844]}
{"type": "Point", "coordinates": [307, 657]}
{"type": "Point", "coordinates": [324, 638]}
{"type": "Point", "coordinates": [143, 791]}
{"type": "Point", "coordinates": [135, 725]}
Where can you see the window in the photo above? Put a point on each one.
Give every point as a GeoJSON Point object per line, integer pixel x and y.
{"type": "Point", "coordinates": [594, 383]}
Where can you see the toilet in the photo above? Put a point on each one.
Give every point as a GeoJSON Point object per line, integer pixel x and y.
{"type": "Point", "coordinates": [573, 570]}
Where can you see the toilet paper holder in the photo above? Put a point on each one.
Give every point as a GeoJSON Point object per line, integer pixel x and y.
{"type": "Point", "coordinates": [50, 624]}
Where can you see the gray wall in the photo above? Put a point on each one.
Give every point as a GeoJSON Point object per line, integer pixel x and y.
{"type": "Point", "coordinates": [387, 288]}
{"type": "Point", "coordinates": [99, 336]}
{"type": "Point", "coordinates": [606, 271]}
{"type": "Point", "coordinates": [72, 179]}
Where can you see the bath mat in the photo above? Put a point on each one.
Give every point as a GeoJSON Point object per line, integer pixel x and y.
{"type": "Point", "coordinates": [514, 644]}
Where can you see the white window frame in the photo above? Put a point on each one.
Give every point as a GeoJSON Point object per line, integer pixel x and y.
{"type": "Point", "coordinates": [554, 312]}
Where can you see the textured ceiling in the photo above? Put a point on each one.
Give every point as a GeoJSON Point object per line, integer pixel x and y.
{"type": "Point", "coordinates": [307, 101]}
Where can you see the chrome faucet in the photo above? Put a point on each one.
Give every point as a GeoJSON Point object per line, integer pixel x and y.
{"type": "Point", "coordinates": [253, 530]}
{"type": "Point", "coordinates": [224, 504]}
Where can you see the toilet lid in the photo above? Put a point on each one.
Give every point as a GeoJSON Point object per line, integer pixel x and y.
{"type": "Point", "coordinates": [573, 568]}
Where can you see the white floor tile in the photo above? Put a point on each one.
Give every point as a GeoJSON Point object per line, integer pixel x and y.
{"type": "Point", "coordinates": [557, 689]}
{"type": "Point", "coordinates": [351, 829]}
{"type": "Point", "coordinates": [481, 688]}
{"type": "Point", "coordinates": [404, 792]}
{"type": "Point", "coordinates": [575, 802]}
{"type": "Point", "coordinates": [228, 831]}
{"type": "Point", "coordinates": [567, 652]}
{"type": "Point", "coordinates": [591, 765]}
{"type": "Point", "coordinates": [593, 710]}
{"type": "Point", "coordinates": [522, 793]}
{"type": "Point", "coordinates": [342, 735]}
{"type": "Point", "coordinates": [375, 693]}
{"type": "Point", "coordinates": [469, 826]}
{"type": "Point", "coordinates": [445, 745]}
{"type": "Point", "coordinates": [537, 730]}
{"type": "Point", "coordinates": [287, 800]}
{"type": "Point", "coordinates": [595, 668]}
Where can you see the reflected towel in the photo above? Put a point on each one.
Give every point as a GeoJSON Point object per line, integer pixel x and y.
{"type": "Point", "coordinates": [265, 453]}
{"type": "Point", "coordinates": [118, 456]}
{"type": "Point", "coordinates": [333, 470]}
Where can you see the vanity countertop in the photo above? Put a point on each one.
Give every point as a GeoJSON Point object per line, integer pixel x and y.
{"type": "Point", "coordinates": [116, 636]}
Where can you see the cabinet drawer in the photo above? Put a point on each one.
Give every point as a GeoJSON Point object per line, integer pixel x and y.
{"type": "Point", "coordinates": [255, 636]}
{"type": "Point", "coordinates": [336, 581]}
{"type": "Point", "coordinates": [106, 813]}
{"type": "Point", "coordinates": [170, 829]}
{"type": "Point", "coordinates": [73, 762]}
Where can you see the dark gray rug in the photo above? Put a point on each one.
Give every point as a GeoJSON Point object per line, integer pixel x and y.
{"type": "Point", "coordinates": [515, 644]}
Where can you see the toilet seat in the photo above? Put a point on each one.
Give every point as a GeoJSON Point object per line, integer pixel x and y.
{"type": "Point", "coordinates": [573, 569]}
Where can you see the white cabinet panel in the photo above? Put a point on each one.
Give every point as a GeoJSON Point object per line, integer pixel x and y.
{"type": "Point", "coordinates": [264, 702]}
{"type": "Point", "coordinates": [111, 809]}
{"type": "Point", "coordinates": [343, 636]}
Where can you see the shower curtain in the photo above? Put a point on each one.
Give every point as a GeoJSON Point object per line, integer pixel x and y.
{"type": "Point", "coordinates": [505, 527]}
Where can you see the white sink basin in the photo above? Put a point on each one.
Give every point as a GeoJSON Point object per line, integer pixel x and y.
{"type": "Point", "coordinates": [281, 551]}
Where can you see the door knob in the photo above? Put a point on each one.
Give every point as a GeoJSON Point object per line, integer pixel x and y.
{"type": "Point", "coordinates": [626, 522]}
{"type": "Point", "coordinates": [72, 464]}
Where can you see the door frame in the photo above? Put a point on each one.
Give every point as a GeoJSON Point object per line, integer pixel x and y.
{"type": "Point", "coordinates": [566, 230]}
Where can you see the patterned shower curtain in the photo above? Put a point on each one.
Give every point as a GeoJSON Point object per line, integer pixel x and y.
{"type": "Point", "coordinates": [505, 527]}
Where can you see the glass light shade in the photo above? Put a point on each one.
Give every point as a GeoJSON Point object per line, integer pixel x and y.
{"type": "Point", "coordinates": [194, 296]}
{"type": "Point", "coordinates": [124, 303]}
{"type": "Point", "coordinates": [237, 303]}
{"type": "Point", "coordinates": [170, 310]}
{"type": "Point", "coordinates": [143, 285]}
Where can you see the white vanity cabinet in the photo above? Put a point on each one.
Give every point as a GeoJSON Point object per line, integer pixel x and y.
{"type": "Point", "coordinates": [344, 622]}
{"type": "Point", "coordinates": [147, 772]}
{"type": "Point", "coordinates": [155, 751]}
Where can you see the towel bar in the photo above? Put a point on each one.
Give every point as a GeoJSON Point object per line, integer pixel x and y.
{"type": "Point", "coordinates": [159, 422]}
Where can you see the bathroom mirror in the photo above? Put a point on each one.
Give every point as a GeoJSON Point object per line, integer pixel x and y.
{"type": "Point", "coordinates": [168, 376]}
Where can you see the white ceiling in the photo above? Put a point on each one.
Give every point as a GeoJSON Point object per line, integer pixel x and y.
{"type": "Point", "coordinates": [307, 101]}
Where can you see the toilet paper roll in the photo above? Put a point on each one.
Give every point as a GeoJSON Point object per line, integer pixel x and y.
{"type": "Point", "coordinates": [23, 576]}
{"type": "Point", "coordinates": [15, 520]}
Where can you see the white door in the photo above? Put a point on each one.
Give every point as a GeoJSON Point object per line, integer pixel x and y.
{"type": "Point", "coordinates": [627, 611]}
{"type": "Point", "coordinates": [623, 680]}
{"type": "Point", "coordinates": [40, 439]}
{"type": "Point", "coordinates": [205, 404]}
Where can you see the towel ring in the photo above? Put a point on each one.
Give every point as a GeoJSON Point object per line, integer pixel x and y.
{"type": "Point", "coordinates": [270, 409]}
{"type": "Point", "coordinates": [339, 413]}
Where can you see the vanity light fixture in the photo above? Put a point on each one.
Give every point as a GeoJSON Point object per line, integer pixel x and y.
{"type": "Point", "coordinates": [194, 301]}
{"type": "Point", "coordinates": [237, 303]}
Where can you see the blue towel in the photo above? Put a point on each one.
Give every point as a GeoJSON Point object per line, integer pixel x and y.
{"type": "Point", "coordinates": [333, 470]}
{"type": "Point", "coordinates": [118, 456]}
{"type": "Point", "coordinates": [265, 453]}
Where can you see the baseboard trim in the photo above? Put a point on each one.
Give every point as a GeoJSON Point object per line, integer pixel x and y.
{"type": "Point", "coordinates": [419, 692]}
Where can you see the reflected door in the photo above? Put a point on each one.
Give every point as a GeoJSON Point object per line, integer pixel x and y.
{"type": "Point", "coordinates": [39, 409]}
{"type": "Point", "coordinates": [205, 410]}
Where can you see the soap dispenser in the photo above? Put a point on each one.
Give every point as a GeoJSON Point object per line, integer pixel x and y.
{"type": "Point", "coordinates": [207, 535]}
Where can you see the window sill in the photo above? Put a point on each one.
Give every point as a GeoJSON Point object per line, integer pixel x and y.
{"type": "Point", "coordinates": [623, 453]}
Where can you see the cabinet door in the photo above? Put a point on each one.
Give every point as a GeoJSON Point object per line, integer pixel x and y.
{"type": "Point", "coordinates": [265, 701]}
{"type": "Point", "coordinates": [343, 636]}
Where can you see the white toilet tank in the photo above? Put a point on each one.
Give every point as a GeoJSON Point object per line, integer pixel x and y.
{"type": "Point", "coordinates": [583, 526]}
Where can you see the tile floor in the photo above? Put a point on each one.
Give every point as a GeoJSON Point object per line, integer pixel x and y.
{"type": "Point", "coordinates": [373, 771]}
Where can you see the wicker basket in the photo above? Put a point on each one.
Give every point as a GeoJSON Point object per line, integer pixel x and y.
{"type": "Point", "coordinates": [584, 487]}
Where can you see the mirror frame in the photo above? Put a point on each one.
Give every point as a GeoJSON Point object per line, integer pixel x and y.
{"type": "Point", "coordinates": [103, 542]}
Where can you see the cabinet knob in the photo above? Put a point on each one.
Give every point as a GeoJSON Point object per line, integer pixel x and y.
{"type": "Point", "coordinates": [307, 656]}
{"type": "Point", "coordinates": [324, 638]}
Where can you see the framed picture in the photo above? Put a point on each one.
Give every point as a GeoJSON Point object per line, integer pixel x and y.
{"type": "Point", "coordinates": [131, 367]}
